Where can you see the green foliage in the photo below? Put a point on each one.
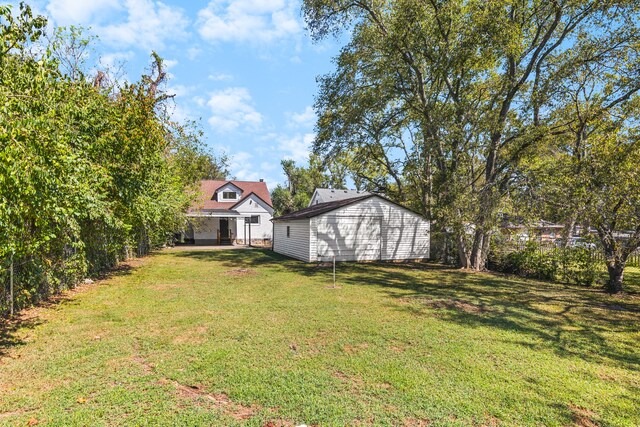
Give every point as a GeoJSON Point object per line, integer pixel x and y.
{"type": "Point", "coordinates": [567, 265]}
{"type": "Point", "coordinates": [88, 175]}
{"type": "Point", "coordinates": [302, 181]}
{"type": "Point", "coordinates": [438, 102]}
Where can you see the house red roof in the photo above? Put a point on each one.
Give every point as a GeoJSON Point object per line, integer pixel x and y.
{"type": "Point", "coordinates": [209, 198]}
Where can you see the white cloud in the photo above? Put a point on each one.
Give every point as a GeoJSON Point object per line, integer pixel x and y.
{"type": "Point", "coordinates": [220, 77]}
{"type": "Point", "coordinates": [199, 101]}
{"type": "Point", "coordinates": [67, 12]}
{"type": "Point", "coordinates": [180, 113]}
{"type": "Point", "coordinates": [180, 91]}
{"type": "Point", "coordinates": [307, 118]}
{"type": "Point", "coordinates": [193, 52]}
{"type": "Point", "coordinates": [231, 108]}
{"type": "Point", "coordinates": [146, 24]}
{"type": "Point", "coordinates": [169, 63]}
{"type": "Point", "coordinates": [253, 21]}
{"type": "Point", "coordinates": [242, 167]}
{"type": "Point", "coordinates": [297, 147]}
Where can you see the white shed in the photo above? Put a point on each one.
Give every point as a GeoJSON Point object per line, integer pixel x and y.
{"type": "Point", "coordinates": [366, 228]}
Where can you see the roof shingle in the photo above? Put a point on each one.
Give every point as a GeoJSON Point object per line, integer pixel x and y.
{"type": "Point", "coordinates": [321, 208]}
{"type": "Point", "coordinates": [208, 199]}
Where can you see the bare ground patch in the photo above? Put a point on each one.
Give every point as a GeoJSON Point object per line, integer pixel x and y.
{"type": "Point", "coordinates": [196, 335]}
{"type": "Point", "coordinates": [416, 422]}
{"type": "Point", "coordinates": [241, 272]}
{"type": "Point", "coordinates": [220, 401]}
{"type": "Point", "coordinates": [279, 423]}
{"type": "Point", "coordinates": [583, 417]}
{"type": "Point", "coordinates": [356, 348]}
{"type": "Point", "coordinates": [448, 304]}
{"type": "Point", "coordinates": [165, 286]}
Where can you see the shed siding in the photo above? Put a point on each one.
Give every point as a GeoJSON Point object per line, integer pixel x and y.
{"type": "Point", "coordinates": [349, 237]}
{"type": "Point", "coordinates": [370, 230]}
{"type": "Point", "coordinates": [403, 234]}
{"type": "Point", "coordinates": [297, 244]}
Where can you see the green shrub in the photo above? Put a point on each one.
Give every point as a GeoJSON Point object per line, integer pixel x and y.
{"type": "Point", "coordinates": [569, 265]}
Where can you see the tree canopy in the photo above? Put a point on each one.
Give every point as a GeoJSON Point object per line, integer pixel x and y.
{"type": "Point", "coordinates": [89, 174]}
{"type": "Point", "coordinates": [441, 102]}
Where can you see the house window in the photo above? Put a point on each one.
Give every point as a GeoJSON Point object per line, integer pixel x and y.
{"type": "Point", "coordinates": [229, 195]}
{"type": "Point", "coordinates": [254, 219]}
{"type": "Point", "coordinates": [288, 231]}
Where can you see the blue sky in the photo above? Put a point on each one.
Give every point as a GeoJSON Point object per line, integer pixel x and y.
{"type": "Point", "coordinates": [245, 69]}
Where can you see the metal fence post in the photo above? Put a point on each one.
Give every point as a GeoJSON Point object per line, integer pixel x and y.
{"type": "Point", "coordinates": [11, 288]}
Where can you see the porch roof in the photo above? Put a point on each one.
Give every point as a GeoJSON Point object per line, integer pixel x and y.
{"type": "Point", "coordinates": [213, 213]}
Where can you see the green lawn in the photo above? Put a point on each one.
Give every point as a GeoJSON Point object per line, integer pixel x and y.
{"type": "Point", "coordinates": [248, 337]}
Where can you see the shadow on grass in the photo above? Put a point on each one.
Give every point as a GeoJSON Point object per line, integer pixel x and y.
{"type": "Point", "coordinates": [8, 332]}
{"type": "Point", "coordinates": [24, 320]}
{"type": "Point", "coordinates": [570, 320]}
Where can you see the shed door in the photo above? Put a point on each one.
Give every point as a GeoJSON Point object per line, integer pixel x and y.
{"type": "Point", "coordinates": [349, 238]}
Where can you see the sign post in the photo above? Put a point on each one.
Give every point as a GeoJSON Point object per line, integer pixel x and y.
{"type": "Point", "coordinates": [334, 271]}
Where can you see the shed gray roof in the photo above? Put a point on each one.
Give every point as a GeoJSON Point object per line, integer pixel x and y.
{"type": "Point", "coordinates": [321, 208]}
{"type": "Point", "coordinates": [332, 194]}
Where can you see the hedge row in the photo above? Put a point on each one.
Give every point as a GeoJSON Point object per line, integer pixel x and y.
{"type": "Point", "coordinates": [90, 172]}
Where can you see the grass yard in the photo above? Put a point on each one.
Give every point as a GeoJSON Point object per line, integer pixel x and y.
{"type": "Point", "coordinates": [251, 338]}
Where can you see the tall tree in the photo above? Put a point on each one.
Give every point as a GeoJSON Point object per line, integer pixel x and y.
{"type": "Point", "coordinates": [467, 82]}
{"type": "Point", "coordinates": [88, 174]}
{"type": "Point", "coordinates": [302, 181]}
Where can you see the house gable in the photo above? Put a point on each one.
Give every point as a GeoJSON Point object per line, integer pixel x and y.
{"type": "Point", "coordinates": [229, 192]}
{"type": "Point", "coordinates": [211, 194]}
{"type": "Point", "coordinates": [252, 203]}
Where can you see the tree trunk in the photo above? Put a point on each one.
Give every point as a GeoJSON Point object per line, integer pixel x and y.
{"type": "Point", "coordinates": [616, 274]}
{"type": "Point", "coordinates": [480, 250]}
{"type": "Point", "coordinates": [474, 258]}
{"type": "Point", "coordinates": [464, 258]}
{"type": "Point", "coordinates": [567, 231]}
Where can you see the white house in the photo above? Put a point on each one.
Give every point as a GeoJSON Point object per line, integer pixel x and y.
{"type": "Point", "coordinates": [364, 228]}
{"type": "Point", "coordinates": [229, 212]}
{"type": "Point", "coordinates": [324, 195]}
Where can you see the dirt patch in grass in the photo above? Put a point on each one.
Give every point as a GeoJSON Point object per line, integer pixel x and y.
{"type": "Point", "coordinates": [279, 423]}
{"type": "Point", "coordinates": [583, 417]}
{"type": "Point", "coordinates": [448, 304]}
{"type": "Point", "coordinates": [354, 381]}
{"type": "Point", "coordinates": [241, 272]}
{"type": "Point", "coordinates": [195, 335]}
{"type": "Point", "coordinates": [147, 367]}
{"type": "Point", "coordinates": [165, 286]}
{"type": "Point", "coordinates": [12, 414]}
{"type": "Point", "coordinates": [220, 401]}
{"type": "Point", "coordinates": [353, 349]}
{"type": "Point", "coordinates": [416, 422]}
{"type": "Point", "coordinates": [492, 422]}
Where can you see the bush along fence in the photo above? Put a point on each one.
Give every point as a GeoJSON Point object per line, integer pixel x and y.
{"type": "Point", "coordinates": [546, 261]}
{"type": "Point", "coordinates": [577, 265]}
{"type": "Point", "coordinates": [91, 172]}
{"type": "Point", "coordinates": [31, 279]}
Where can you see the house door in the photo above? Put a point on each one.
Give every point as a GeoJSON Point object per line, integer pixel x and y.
{"type": "Point", "coordinates": [224, 229]}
